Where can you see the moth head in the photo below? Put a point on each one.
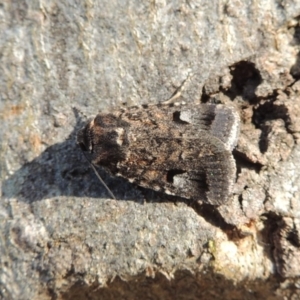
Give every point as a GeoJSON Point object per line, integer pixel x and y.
{"type": "Point", "coordinates": [105, 138]}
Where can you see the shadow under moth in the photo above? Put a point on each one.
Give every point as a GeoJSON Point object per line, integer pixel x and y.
{"type": "Point", "coordinates": [183, 150]}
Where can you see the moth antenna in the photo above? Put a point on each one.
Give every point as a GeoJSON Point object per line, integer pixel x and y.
{"type": "Point", "coordinates": [178, 91]}
{"type": "Point", "coordinates": [99, 177]}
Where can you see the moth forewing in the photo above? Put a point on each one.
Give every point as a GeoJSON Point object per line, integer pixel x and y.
{"type": "Point", "coordinates": [180, 150]}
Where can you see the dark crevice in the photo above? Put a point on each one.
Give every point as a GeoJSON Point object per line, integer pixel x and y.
{"type": "Point", "coordinates": [245, 79]}
{"type": "Point", "coordinates": [296, 35]}
{"type": "Point", "coordinates": [293, 237]}
{"type": "Point", "coordinates": [265, 112]}
{"type": "Point", "coordinates": [263, 142]}
{"type": "Point", "coordinates": [240, 199]}
{"type": "Point", "coordinates": [204, 96]}
{"type": "Point", "coordinates": [295, 69]}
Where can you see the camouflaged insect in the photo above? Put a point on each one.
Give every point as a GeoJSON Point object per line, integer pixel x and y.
{"type": "Point", "coordinates": [182, 150]}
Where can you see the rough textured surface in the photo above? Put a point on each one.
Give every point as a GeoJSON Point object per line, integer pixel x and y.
{"type": "Point", "coordinates": [61, 238]}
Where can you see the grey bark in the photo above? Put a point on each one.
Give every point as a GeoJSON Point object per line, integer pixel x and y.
{"type": "Point", "coordinates": [61, 237]}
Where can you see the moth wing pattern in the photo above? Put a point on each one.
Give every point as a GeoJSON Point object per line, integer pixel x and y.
{"type": "Point", "coordinates": [194, 168]}
{"type": "Point", "coordinates": [180, 150]}
{"type": "Point", "coordinates": [219, 120]}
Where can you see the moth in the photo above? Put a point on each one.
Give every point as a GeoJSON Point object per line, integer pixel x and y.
{"type": "Point", "coordinates": [183, 150]}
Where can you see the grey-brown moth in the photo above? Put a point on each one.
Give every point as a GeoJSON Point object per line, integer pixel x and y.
{"type": "Point", "coordinates": [183, 150]}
